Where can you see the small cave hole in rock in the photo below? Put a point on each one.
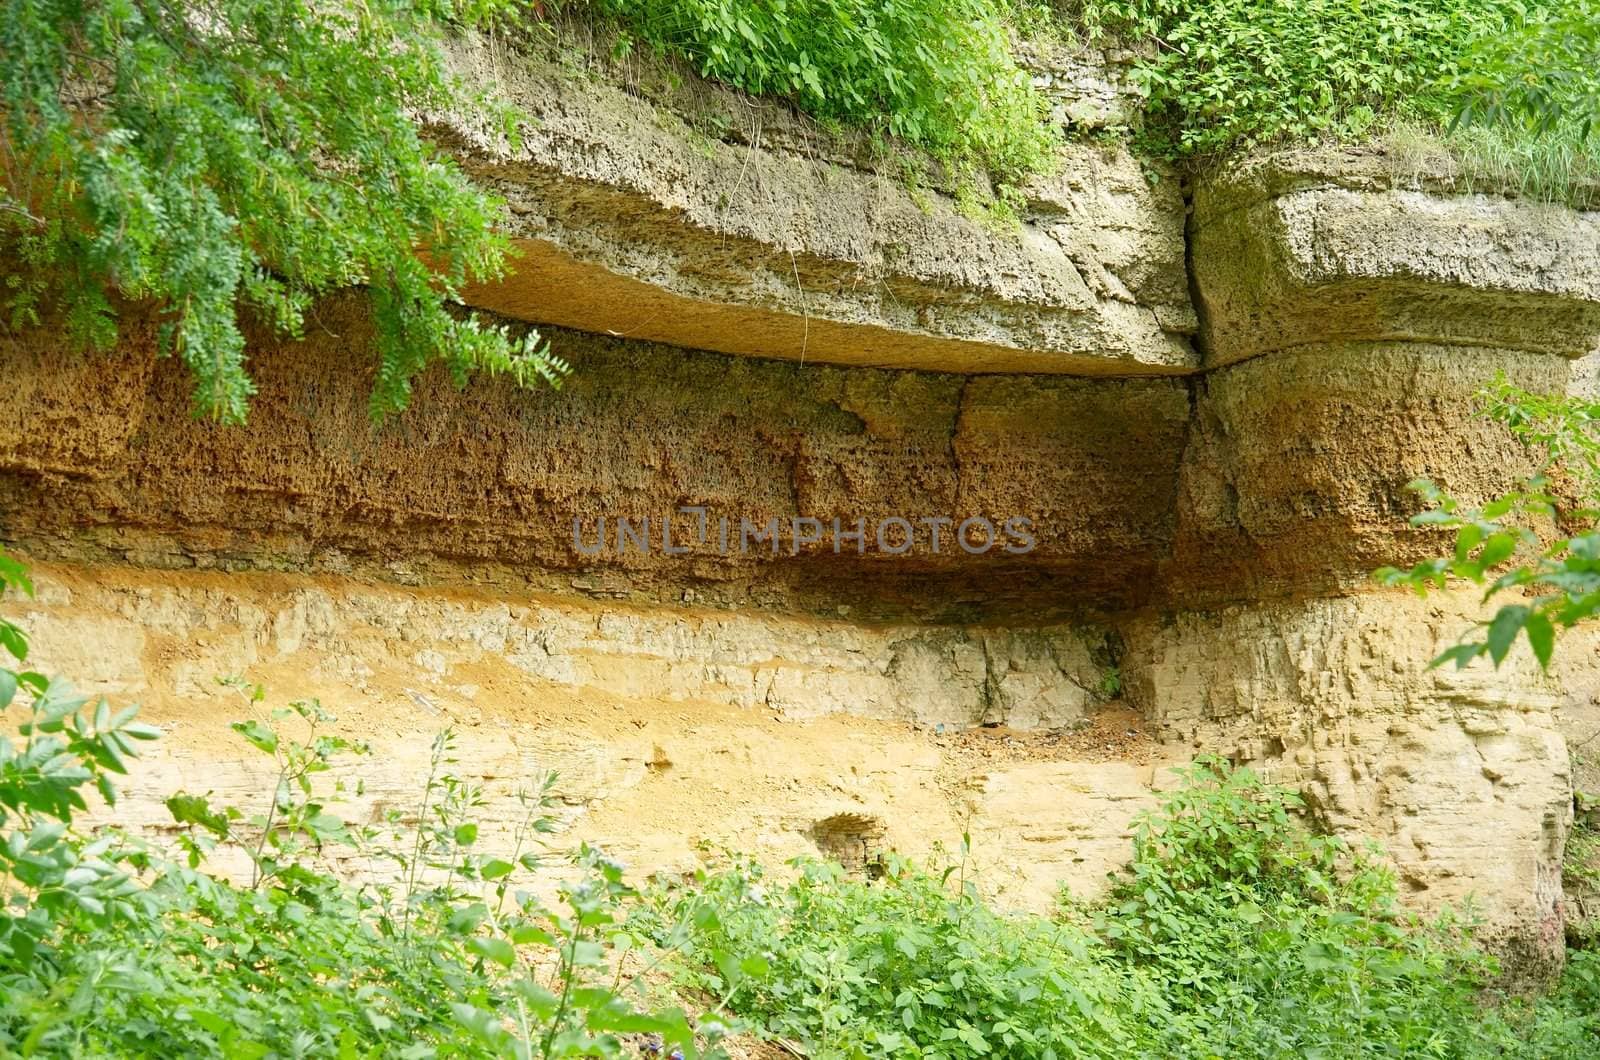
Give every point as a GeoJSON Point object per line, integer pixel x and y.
{"type": "Point", "coordinates": [854, 840]}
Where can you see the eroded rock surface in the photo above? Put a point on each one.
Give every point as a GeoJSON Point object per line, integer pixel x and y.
{"type": "Point", "coordinates": [484, 486]}
{"type": "Point", "coordinates": [735, 237]}
{"type": "Point", "coordinates": [1284, 258]}
{"type": "Point", "coordinates": [676, 735]}
{"type": "Point", "coordinates": [771, 332]}
{"type": "Point", "coordinates": [1295, 473]}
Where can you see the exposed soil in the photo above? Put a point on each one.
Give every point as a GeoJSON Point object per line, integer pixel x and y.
{"type": "Point", "coordinates": [1113, 733]}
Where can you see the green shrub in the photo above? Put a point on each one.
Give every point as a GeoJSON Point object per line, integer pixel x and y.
{"type": "Point", "coordinates": [1235, 73]}
{"type": "Point", "coordinates": [938, 73]}
{"type": "Point", "coordinates": [908, 966]}
{"type": "Point", "coordinates": [1234, 932]}
{"type": "Point", "coordinates": [1272, 941]}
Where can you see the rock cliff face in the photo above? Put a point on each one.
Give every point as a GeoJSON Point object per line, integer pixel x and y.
{"type": "Point", "coordinates": [1163, 439]}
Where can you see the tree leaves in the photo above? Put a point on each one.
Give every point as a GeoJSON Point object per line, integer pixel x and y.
{"type": "Point", "coordinates": [1503, 630]}
{"type": "Point", "coordinates": [1557, 579]}
{"type": "Point", "coordinates": [242, 159]}
{"type": "Point", "coordinates": [1541, 638]}
{"type": "Point", "coordinates": [1543, 77]}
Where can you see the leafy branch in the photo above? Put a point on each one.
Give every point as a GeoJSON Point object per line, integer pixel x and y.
{"type": "Point", "coordinates": [1497, 546]}
{"type": "Point", "coordinates": [1541, 77]}
{"type": "Point", "coordinates": [234, 159]}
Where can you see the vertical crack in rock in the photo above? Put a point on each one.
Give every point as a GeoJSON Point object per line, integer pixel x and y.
{"type": "Point", "coordinates": [989, 688]}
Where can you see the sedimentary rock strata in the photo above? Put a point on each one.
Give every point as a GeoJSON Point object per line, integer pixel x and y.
{"type": "Point", "coordinates": [1204, 411]}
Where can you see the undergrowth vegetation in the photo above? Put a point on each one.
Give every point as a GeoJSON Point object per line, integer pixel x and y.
{"type": "Point", "coordinates": [110, 947]}
{"type": "Point", "coordinates": [1234, 931]}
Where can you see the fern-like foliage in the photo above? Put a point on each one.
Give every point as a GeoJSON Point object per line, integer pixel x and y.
{"type": "Point", "coordinates": [219, 157]}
